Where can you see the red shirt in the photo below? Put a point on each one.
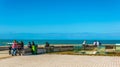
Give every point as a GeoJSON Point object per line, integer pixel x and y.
{"type": "Point", "coordinates": [14, 45]}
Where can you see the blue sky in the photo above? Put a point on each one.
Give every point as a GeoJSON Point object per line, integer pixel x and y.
{"type": "Point", "coordinates": [59, 16]}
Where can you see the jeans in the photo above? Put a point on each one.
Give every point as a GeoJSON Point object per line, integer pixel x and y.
{"type": "Point", "coordinates": [14, 51]}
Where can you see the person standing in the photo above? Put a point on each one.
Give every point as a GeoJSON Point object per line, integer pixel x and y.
{"type": "Point", "coordinates": [34, 48]}
{"type": "Point", "coordinates": [47, 47]}
{"type": "Point", "coordinates": [14, 48]}
{"type": "Point", "coordinates": [98, 43]}
{"type": "Point", "coordinates": [10, 48]}
{"type": "Point", "coordinates": [84, 44]}
{"type": "Point", "coordinates": [95, 43]}
{"type": "Point", "coordinates": [22, 48]}
{"type": "Point", "coordinates": [19, 48]}
{"type": "Point", "coordinates": [29, 45]}
{"type": "Point", "coordinates": [22, 45]}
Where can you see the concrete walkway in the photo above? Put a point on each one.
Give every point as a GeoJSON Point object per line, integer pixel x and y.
{"type": "Point", "coordinates": [60, 61]}
{"type": "Point", "coordinates": [4, 54]}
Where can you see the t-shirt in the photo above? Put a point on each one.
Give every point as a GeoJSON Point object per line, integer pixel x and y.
{"type": "Point", "coordinates": [14, 45]}
{"type": "Point", "coordinates": [29, 45]}
{"type": "Point", "coordinates": [95, 43]}
{"type": "Point", "coordinates": [33, 48]}
{"type": "Point", "coordinates": [98, 43]}
{"type": "Point", "coordinates": [84, 42]}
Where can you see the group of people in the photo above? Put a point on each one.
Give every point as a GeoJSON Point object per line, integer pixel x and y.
{"type": "Point", "coordinates": [33, 47]}
{"type": "Point", "coordinates": [16, 47]}
{"type": "Point", "coordinates": [95, 43]}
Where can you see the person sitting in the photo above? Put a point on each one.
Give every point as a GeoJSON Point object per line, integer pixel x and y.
{"type": "Point", "coordinates": [47, 47]}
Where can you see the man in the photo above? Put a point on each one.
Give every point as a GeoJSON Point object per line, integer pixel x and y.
{"type": "Point", "coordinates": [98, 43]}
{"type": "Point", "coordinates": [84, 44]}
{"type": "Point", "coordinates": [95, 43]}
{"type": "Point", "coordinates": [30, 47]}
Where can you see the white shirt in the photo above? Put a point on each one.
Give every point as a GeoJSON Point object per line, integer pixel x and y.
{"type": "Point", "coordinates": [94, 43]}
{"type": "Point", "coordinates": [98, 43]}
{"type": "Point", "coordinates": [84, 42]}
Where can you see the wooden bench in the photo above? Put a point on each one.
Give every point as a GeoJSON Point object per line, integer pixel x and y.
{"type": "Point", "coordinates": [110, 48]}
{"type": "Point", "coordinates": [2, 48]}
{"type": "Point", "coordinates": [63, 48]}
{"type": "Point", "coordinates": [88, 47]}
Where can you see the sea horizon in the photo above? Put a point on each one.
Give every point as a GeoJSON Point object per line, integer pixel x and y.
{"type": "Point", "coordinates": [61, 36]}
{"type": "Point", "coordinates": [4, 42]}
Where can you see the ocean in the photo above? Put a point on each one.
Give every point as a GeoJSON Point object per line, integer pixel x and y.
{"type": "Point", "coordinates": [41, 42]}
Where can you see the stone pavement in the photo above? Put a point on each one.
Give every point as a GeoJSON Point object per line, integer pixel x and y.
{"type": "Point", "coordinates": [4, 54]}
{"type": "Point", "coordinates": [47, 60]}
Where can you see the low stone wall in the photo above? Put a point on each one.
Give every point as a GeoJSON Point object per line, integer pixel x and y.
{"type": "Point", "coordinates": [43, 49]}
{"type": "Point", "coordinates": [63, 48]}
{"type": "Point", "coordinates": [51, 49]}
{"type": "Point", "coordinates": [2, 48]}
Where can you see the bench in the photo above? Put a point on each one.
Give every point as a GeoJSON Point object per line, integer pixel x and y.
{"type": "Point", "coordinates": [110, 48]}
{"type": "Point", "coordinates": [88, 47]}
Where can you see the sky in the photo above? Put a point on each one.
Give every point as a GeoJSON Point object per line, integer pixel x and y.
{"type": "Point", "coordinates": [59, 16]}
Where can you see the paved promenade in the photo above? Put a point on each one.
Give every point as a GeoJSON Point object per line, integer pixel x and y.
{"type": "Point", "coordinates": [60, 61]}
{"type": "Point", "coordinates": [4, 54]}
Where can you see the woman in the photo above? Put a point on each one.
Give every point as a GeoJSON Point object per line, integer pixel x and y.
{"type": "Point", "coordinates": [14, 48]}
